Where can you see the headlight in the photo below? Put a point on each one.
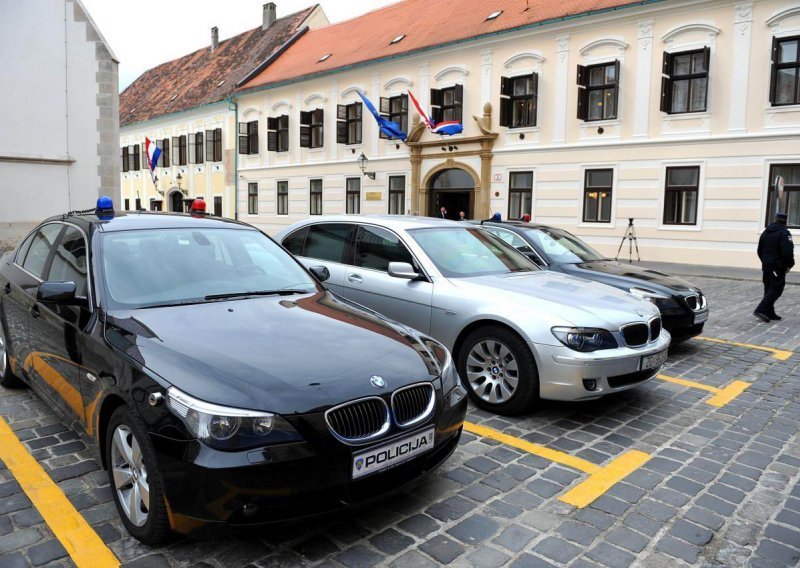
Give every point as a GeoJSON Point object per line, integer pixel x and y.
{"type": "Point", "coordinates": [228, 428]}
{"type": "Point", "coordinates": [451, 385]}
{"type": "Point", "coordinates": [661, 301]}
{"type": "Point", "coordinates": [585, 340]}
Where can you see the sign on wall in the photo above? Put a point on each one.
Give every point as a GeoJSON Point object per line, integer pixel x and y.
{"type": "Point", "coordinates": [373, 196]}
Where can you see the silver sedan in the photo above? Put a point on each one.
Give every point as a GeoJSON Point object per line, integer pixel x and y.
{"type": "Point", "coordinates": [517, 333]}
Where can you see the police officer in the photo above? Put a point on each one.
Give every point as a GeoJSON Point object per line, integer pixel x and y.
{"type": "Point", "coordinates": [776, 251]}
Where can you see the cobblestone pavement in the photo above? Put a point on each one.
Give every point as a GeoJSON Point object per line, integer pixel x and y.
{"type": "Point", "coordinates": [722, 487]}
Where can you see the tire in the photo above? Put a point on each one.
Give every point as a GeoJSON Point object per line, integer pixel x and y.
{"type": "Point", "coordinates": [128, 449]}
{"type": "Point", "coordinates": [498, 370]}
{"type": "Point", "coordinates": [7, 378]}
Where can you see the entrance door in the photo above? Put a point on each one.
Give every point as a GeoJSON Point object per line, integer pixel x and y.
{"type": "Point", "coordinates": [454, 190]}
{"type": "Point", "coordinates": [176, 202]}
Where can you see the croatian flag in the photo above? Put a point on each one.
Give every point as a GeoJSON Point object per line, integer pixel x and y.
{"type": "Point", "coordinates": [446, 128]}
{"type": "Point", "coordinates": [153, 152]}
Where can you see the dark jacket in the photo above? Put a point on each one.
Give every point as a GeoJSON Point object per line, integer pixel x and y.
{"type": "Point", "coordinates": [775, 248]}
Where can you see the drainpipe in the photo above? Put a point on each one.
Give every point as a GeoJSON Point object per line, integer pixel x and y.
{"type": "Point", "coordinates": [234, 106]}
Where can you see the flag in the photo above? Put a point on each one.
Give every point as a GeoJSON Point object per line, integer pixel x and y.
{"type": "Point", "coordinates": [152, 152]}
{"type": "Point", "coordinates": [391, 129]}
{"type": "Point", "coordinates": [446, 128]}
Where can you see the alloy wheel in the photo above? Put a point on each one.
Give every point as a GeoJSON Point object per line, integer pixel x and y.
{"type": "Point", "coordinates": [130, 475]}
{"type": "Point", "coordinates": [492, 371]}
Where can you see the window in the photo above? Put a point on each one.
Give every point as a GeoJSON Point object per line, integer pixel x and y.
{"type": "Point", "coordinates": [397, 195]}
{"type": "Point", "coordinates": [127, 205]}
{"type": "Point", "coordinates": [348, 124]}
{"type": "Point", "coordinates": [518, 100]}
{"type": "Point", "coordinates": [40, 248]}
{"type": "Point", "coordinates": [785, 85]}
{"type": "Point", "coordinates": [353, 196]}
{"type": "Point", "coordinates": [315, 199]}
{"type": "Point", "coordinates": [179, 150]}
{"type": "Point", "coordinates": [155, 205]}
{"type": "Point", "coordinates": [283, 198]}
{"type": "Point", "coordinates": [252, 198]}
{"type": "Point", "coordinates": [214, 145]}
{"type": "Point", "coordinates": [69, 261]}
{"type": "Point", "coordinates": [520, 194]}
{"type": "Point", "coordinates": [163, 159]}
{"type": "Point", "coordinates": [125, 158]}
{"type": "Point", "coordinates": [791, 193]}
{"type": "Point", "coordinates": [138, 204]}
{"type": "Point", "coordinates": [217, 206]}
{"type": "Point", "coordinates": [130, 158]}
{"type": "Point", "coordinates": [376, 248]}
{"type": "Point", "coordinates": [311, 128]}
{"type": "Point", "coordinates": [196, 148]}
{"type": "Point", "coordinates": [684, 86]}
{"type": "Point", "coordinates": [598, 91]}
{"type": "Point", "coordinates": [395, 109]}
{"type": "Point", "coordinates": [597, 187]}
{"type": "Point", "coordinates": [248, 137]}
{"type": "Point", "coordinates": [680, 201]}
{"type": "Point", "coordinates": [294, 242]}
{"type": "Point", "coordinates": [446, 104]}
{"type": "Point", "coordinates": [327, 241]}
{"type": "Point", "coordinates": [278, 133]}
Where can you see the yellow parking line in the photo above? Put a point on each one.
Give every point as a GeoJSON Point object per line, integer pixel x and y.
{"type": "Point", "coordinates": [601, 478]}
{"type": "Point", "coordinates": [722, 396]}
{"type": "Point", "coordinates": [779, 354]}
{"type": "Point", "coordinates": [71, 529]}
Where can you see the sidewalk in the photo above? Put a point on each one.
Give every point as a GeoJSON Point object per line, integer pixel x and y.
{"type": "Point", "coordinates": [689, 270]}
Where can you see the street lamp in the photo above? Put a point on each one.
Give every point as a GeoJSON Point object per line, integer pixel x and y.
{"type": "Point", "coordinates": [362, 163]}
{"type": "Point", "coordinates": [179, 179]}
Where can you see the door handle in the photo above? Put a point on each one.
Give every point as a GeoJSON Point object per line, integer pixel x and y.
{"type": "Point", "coordinates": [7, 288]}
{"type": "Point", "coordinates": [355, 278]}
{"type": "Point", "coordinates": [35, 311]}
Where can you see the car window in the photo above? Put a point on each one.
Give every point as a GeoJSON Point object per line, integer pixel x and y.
{"type": "Point", "coordinates": [40, 248]}
{"type": "Point", "coordinates": [294, 242]}
{"type": "Point", "coordinates": [69, 260]}
{"type": "Point", "coordinates": [161, 266]}
{"type": "Point", "coordinates": [511, 238]}
{"type": "Point", "coordinates": [376, 248]}
{"type": "Point", "coordinates": [458, 252]}
{"type": "Point", "coordinates": [327, 241]}
{"type": "Point", "coordinates": [561, 247]}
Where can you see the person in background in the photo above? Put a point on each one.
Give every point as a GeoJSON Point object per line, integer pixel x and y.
{"type": "Point", "coordinates": [776, 252]}
{"type": "Point", "coordinates": [442, 213]}
{"type": "Point", "coordinates": [462, 216]}
{"type": "Point", "coordinates": [526, 218]}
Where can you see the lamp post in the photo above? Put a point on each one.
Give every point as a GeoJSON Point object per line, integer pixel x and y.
{"type": "Point", "coordinates": [179, 179]}
{"type": "Point", "coordinates": [362, 163]}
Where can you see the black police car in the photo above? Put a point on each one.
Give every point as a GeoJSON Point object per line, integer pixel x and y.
{"type": "Point", "coordinates": [684, 309]}
{"type": "Point", "coordinates": [217, 379]}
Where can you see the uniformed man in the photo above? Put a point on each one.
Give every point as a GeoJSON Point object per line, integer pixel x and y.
{"type": "Point", "coordinates": [776, 251]}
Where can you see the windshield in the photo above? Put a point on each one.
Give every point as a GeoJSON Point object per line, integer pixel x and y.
{"type": "Point", "coordinates": [462, 252]}
{"type": "Point", "coordinates": [153, 267]}
{"type": "Point", "coordinates": [560, 247]}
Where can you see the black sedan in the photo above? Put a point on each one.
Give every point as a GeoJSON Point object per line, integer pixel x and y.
{"type": "Point", "coordinates": [683, 307]}
{"type": "Point", "coordinates": [219, 382]}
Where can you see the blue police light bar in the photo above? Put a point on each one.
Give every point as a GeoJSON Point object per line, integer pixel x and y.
{"type": "Point", "coordinates": [105, 208]}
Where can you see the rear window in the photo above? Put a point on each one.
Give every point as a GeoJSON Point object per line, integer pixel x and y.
{"type": "Point", "coordinates": [294, 242]}
{"type": "Point", "coordinates": [327, 241]}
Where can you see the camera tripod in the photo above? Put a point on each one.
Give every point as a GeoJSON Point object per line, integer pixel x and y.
{"type": "Point", "coordinates": [630, 235]}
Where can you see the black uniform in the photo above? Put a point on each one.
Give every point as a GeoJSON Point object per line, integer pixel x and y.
{"type": "Point", "coordinates": [776, 251]}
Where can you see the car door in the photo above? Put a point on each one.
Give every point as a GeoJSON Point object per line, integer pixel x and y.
{"type": "Point", "coordinates": [367, 279]}
{"type": "Point", "coordinates": [55, 359]}
{"type": "Point", "coordinates": [324, 244]}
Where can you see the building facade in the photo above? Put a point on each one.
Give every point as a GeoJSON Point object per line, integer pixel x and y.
{"type": "Point", "coordinates": [678, 114]}
{"type": "Point", "coordinates": [184, 107]}
{"type": "Point", "coordinates": [58, 143]}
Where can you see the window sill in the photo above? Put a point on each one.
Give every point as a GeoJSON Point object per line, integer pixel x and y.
{"type": "Point", "coordinates": [685, 228]}
{"type": "Point", "coordinates": [319, 150]}
{"type": "Point", "coordinates": [605, 122]}
{"type": "Point", "coordinates": [598, 224]}
{"type": "Point", "coordinates": [686, 116]}
{"type": "Point", "coordinates": [769, 109]}
{"type": "Point", "coordinates": [521, 129]}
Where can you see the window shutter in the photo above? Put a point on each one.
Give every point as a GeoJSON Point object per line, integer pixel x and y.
{"type": "Point", "coordinates": [243, 145]}
{"type": "Point", "coordinates": [583, 104]}
{"type": "Point", "coordinates": [124, 158]}
{"type": "Point", "coordinates": [535, 94]}
{"type": "Point", "coordinates": [616, 72]}
{"type": "Point", "coordinates": [252, 135]}
{"type": "Point", "coordinates": [436, 97]}
{"type": "Point", "coordinates": [707, 56]}
{"type": "Point", "coordinates": [272, 141]}
{"type": "Point", "coordinates": [198, 140]}
{"type": "Point", "coordinates": [458, 101]}
{"type": "Point", "coordinates": [773, 82]}
{"type": "Point", "coordinates": [666, 64]}
{"type": "Point", "coordinates": [359, 128]}
{"type": "Point", "coordinates": [318, 116]}
{"type": "Point", "coordinates": [341, 112]}
{"type": "Point", "coordinates": [505, 111]}
{"type": "Point", "coordinates": [272, 123]}
{"type": "Point", "coordinates": [305, 134]}
{"type": "Point", "coordinates": [385, 107]}
{"type": "Point", "coordinates": [583, 76]}
{"type": "Point", "coordinates": [305, 117]}
{"type": "Point", "coordinates": [341, 132]}
{"type": "Point", "coordinates": [666, 94]}
{"type": "Point", "coordinates": [217, 144]}
{"type": "Point", "coordinates": [505, 86]}
{"type": "Point", "coordinates": [165, 152]}
{"type": "Point", "coordinates": [136, 164]}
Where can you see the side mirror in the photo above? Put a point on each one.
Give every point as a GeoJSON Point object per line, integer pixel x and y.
{"type": "Point", "coordinates": [402, 270]}
{"type": "Point", "coordinates": [58, 293]}
{"type": "Point", "coordinates": [321, 273]}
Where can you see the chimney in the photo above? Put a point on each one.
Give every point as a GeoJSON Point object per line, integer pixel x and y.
{"type": "Point", "coordinates": [214, 38]}
{"type": "Point", "coordinates": [269, 15]}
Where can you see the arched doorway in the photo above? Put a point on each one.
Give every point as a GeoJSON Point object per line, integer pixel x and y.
{"type": "Point", "coordinates": [176, 202]}
{"type": "Point", "coordinates": [453, 189]}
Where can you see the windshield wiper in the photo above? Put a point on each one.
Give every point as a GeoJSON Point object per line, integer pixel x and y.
{"type": "Point", "coordinates": [283, 292]}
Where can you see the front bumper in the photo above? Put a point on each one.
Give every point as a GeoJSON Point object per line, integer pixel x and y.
{"type": "Point", "coordinates": [562, 371]}
{"type": "Point", "coordinates": [206, 488]}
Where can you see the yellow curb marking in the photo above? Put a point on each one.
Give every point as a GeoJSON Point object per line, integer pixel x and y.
{"type": "Point", "coordinates": [601, 478]}
{"type": "Point", "coordinates": [71, 529]}
{"type": "Point", "coordinates": [779, 354]}
{"type": "Point", "coordinates": [722, 396]}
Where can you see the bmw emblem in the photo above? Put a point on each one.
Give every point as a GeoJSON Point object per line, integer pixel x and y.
{"type": "Point", "coordinates": [377, 381]}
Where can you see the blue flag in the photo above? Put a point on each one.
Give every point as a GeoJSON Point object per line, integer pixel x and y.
{"type": "Point", "coordinates": [388, 127]}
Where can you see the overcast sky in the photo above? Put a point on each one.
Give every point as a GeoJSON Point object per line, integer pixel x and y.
{"type": "Point", "coordinates": [148, 32]}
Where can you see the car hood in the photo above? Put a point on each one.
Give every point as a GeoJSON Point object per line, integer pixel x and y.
{"type": "Point", "coordinates": [564, 298]}
{"type": "Point", "coordinates": [629, 276]}
{"type": "Point", "coordinates": [294, 354]}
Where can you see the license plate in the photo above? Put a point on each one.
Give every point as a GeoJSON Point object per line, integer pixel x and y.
{"type": "Point", "coordinates": [392, 454]}
{"type": "Point", "coordinates": [701, 317]}
{"type": "Point", "coordinates": [654, 360]}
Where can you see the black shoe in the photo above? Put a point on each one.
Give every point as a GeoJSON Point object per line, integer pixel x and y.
{"type": "Point", "coordinates": [774, 316]}
{"type": "Point", "coordinates": [762, 316]}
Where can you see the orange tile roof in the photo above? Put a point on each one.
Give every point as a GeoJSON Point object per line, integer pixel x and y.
{"type": "Point", "coordinates": [197, 79]}
{"type": "Point", "coordinates": [426, 23]}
